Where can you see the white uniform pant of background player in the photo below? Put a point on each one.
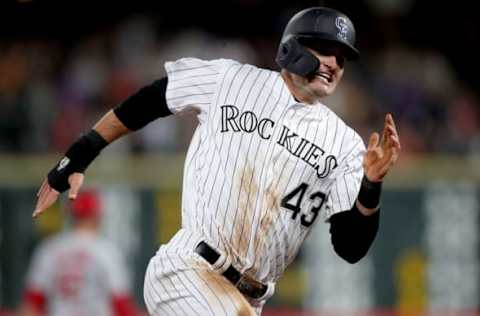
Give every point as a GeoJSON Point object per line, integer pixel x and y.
{"type": "Point", "coordinates": [180, 282]}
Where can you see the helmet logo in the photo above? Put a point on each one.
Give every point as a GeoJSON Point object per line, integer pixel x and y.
{"type": "Point", "coordinates": [342, 26]}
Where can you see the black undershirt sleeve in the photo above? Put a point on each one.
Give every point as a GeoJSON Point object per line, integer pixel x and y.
{"type": "Point", "coordinates": [144, 106]}
{"type": "Point", "coordinates": [352, 233]}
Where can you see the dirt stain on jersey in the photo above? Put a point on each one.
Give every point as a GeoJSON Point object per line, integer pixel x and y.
{"type": "Point", "coordinates": [269, 201]}
{"type": "Point", "coordinates": [248, 187]}
{"type": "Point", "coordinates": [270, 206]}
{"type": "Point", "coordinates": [226, 292]}
{"type": "Point", "coordinates": [269, 212]}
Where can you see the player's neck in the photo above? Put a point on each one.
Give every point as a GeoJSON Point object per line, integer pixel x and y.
{"type": "Point", "coordinates": [297, 93]}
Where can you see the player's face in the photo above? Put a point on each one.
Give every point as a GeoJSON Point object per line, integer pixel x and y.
{"type": "Point", "coordinates": [325, 79]}
{"type": "Point", "coordinates": [328, 74]}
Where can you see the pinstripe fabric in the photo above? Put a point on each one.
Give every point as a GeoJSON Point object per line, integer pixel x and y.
{"type": "Point", "coordinates": [259, 169]}
{"type": "Point", "coordinates": [180, 282]}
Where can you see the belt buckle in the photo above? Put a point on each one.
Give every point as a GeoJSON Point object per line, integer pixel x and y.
{"type": "Point", "coordinates": [250, 287]}
{"type": "Point", "coordinates": [245, 284]}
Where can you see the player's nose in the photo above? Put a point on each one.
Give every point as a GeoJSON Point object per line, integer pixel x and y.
{"type": "Point", "coordinates": [329, 62]}
{"type": "Point", "coordinates": [333, 62]}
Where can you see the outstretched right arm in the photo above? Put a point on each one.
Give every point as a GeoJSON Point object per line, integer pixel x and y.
{"type": "Point", "coordinates": [148, 104]}
{"type": "Point", "coordinates": [110, 127]}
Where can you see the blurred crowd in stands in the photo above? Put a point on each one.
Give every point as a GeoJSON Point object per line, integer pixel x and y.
{"type": "Point", "coordinates": [51, 92]}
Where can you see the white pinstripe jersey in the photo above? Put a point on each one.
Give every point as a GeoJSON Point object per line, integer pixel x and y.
{"type": "Point", "coordinates": [260, 166]}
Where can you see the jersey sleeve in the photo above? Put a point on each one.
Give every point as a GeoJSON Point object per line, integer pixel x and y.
{"type": "Point", "coordinates": [346, 185]}
{"type": "Point", "coordinates": [192, 84]}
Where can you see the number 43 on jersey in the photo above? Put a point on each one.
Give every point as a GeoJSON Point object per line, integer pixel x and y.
{"type": "Point", "coordinates": [297, 195]}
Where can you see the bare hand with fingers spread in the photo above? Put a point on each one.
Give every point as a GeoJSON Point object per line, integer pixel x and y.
{"type": "Point", "coordinates": [47, 195]}
{"type": "Point", "coordinates": [382, 153]}
{"type": "Point", "coordinates": [68, 172]}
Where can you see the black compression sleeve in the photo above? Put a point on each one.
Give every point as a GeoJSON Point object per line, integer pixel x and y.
{"type": "Point", "coordinates": [145, 106]}
{"type": "Point", "coordinates": [352, 233]}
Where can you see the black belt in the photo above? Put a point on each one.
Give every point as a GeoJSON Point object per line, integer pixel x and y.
{"type": "Point", "coordinates": [243, 283]}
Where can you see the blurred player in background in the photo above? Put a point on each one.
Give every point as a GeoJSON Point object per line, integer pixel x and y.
{"type": "Point", "coordinates": [78, 272]}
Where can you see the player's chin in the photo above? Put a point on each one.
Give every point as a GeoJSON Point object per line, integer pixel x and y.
{"type": "Point", "coordinates": [321, 88]}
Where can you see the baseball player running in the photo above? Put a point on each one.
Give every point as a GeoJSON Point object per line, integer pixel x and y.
{"type": "Point", "coordinates": [77, 272]}
{"type": "Point", "coordinates": [266, 159]}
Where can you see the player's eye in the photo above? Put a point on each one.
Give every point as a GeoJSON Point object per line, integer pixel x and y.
{"type": "Point", "coordinates": [332, 51]}
{"type": "Point", "coordinates": [340, 61]}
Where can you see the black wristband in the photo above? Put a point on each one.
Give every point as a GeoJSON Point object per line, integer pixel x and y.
{"type": "Point", "coordinates": [77, 158]}
{"type": "Point", "coordinates": [369, 195]}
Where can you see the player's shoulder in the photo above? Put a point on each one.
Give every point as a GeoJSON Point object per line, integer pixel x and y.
{"type": "Point", "coordinates": [194, 63]}
{"type": "Point", "coordinates": [350, 136]}
{"type": "Point", "coordinates": [235, 70]}
{"type": "Point", "coordinates": [50, 245]}
{"type": "Point", "coordinates": [54, 240]}
{"type": "Point", "coordinates": [233, 63]}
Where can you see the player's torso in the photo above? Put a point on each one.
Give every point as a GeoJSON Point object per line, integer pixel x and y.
{"type": "Point", "coordinates": [262, 165]}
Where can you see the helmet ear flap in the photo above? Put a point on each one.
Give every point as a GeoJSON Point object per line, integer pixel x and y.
{"type": "Point", "coordinates": [295, 58]}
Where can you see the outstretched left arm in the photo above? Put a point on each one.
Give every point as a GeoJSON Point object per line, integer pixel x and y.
{"type": "Point", "coordinates": [353, 232]}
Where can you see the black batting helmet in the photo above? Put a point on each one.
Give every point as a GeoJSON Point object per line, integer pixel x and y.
{"type": "Point", "coordinates": [315, 27]}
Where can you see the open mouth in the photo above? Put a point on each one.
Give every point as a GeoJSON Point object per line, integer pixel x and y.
{"type": "Point", "coordinates": [324, 76]}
